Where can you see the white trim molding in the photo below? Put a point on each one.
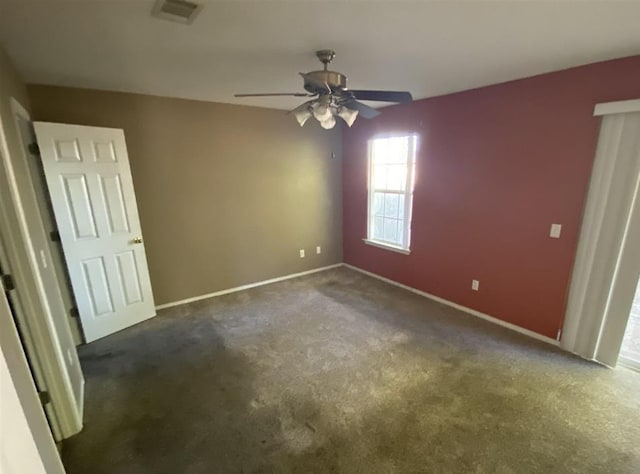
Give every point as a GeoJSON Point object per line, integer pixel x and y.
{"type": "Point", "coordinates": [457, 306]}
{"type": "Point", "coordinates": [473, 312]}
{"type": "Point", "coordinates": [629, 364]}
{"type": "Point", "coordinates": [247, 286]}
{"type": "Point", "coordinates": [619, 107]}
{"type": "Point", "coordinates": [33, 305]}
{"type": "Point", "coordinates": [382, 245]}
{"type": "Point", "coordinates": [605, 272]}
{"type": "Point", "coordinates": [405, 196]}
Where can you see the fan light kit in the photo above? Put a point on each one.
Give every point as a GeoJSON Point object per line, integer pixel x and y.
{"type": "Point", "coordinates": [332, 99]}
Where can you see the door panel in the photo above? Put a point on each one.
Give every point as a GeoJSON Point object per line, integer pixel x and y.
{"type": "Point", "coordinates": [67, 150]}
{"type": "Point", "coordinates": [96, 281]}
{"type": "Point", "coordinates": [129, 279]}
{"type": "Point", "coordinates": [89, 180]}
{"type": "Point", "coordinates": [116, 210]}
{"type": "Point", "coordinates": [79, 206]}
{"type": "Point", "coordinates": [105, 152]}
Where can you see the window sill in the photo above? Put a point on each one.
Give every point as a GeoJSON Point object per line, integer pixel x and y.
{"type": "Point", "coordinates": [382, 245]}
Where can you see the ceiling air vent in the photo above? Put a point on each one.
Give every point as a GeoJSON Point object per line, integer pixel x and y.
{"type": "Point", "coordinates": [181, 11]}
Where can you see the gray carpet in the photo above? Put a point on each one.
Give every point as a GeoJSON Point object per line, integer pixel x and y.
{"type": "Point", "coordinates": [338, 372]}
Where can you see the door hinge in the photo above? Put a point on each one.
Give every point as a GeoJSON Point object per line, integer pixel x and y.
{"type": "Point", "coordinates": [54, 235]}
{"type": "Point", "coordinates": [74, 312]}
{"type": "Point", "coordinates": [559, 335]}
{"type": "Point", "coordinates": [34, 149]}
{"type": "Point", "coordinates": [8, 283]}
{"type": "Point", "coordinates": [45, 399]}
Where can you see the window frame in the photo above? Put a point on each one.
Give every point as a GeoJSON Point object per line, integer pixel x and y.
{"type": "Point", "coordinates": [408, 194]}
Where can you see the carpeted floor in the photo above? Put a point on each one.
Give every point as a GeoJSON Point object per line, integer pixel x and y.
{"type": "Point", "coordinates": [338, 372]}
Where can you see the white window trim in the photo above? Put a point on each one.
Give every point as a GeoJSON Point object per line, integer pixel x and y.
{"type": "Point", "coordinates": [408, 196]}
{"type": "Point", "coordinates": [382, 245]}
{"type": "Point", "coordinates": [619, 107]}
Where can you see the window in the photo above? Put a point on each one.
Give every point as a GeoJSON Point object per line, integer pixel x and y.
{"type": "Point", "coordinates": [391, 175]}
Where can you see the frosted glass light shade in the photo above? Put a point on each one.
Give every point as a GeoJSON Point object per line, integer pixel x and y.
{"type": "Point", "coordinates": [302, 116]}
{"type": "Point", "coordinates": [321, 112]}
{"type": "Point", "coordinates": [348, 115]}
{"type": "Point", "coordinates": [328, 123]}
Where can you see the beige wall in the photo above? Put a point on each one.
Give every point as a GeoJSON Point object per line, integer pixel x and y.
{"type": "Point", "coordinates": [227, 194]}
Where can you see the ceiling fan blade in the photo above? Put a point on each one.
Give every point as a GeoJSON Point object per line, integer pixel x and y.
{"type": "Point", "coordinates": [292, 94]}
{"type": "Point", "coordinates": [320, 85]}
{"type": "Point", "coordinates": [383, 96]}
{"type": "Point", "coordinates": [363, 109]}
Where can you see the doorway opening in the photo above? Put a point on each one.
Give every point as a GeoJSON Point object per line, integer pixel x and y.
{"type": "Point", "coordinates": [605, 273]}
{"type": "Point", "coordinates": [630, 351]}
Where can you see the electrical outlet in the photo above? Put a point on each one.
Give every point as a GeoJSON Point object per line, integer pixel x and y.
{"type": "Point", "coordinates": [301, 253]}
{"type": "Point", "coordinates": [475, 285]}
{"type": "Point", "coordinates": [555, 230]}
{"type": "Point", "coordinates": [318, 249]}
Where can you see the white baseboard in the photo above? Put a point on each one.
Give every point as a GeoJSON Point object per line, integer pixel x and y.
{"type": "Point", "coordinates": [629, 363]}
{"type": "Point", "coordinates": [246, 287]}
{"type": "Point", "coordinates": [473, 312]}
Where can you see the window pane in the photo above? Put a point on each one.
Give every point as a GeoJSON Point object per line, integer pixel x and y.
{"type": "Point", "coordinates": [380, 151]}
{"type": "Point", "coordinates": [380, 177]}
{"type": "Point", "coordinates": [391, 202]}
{"type": "Point", "coordinates": [398, 150]}
{"type": "Point", "coordinates": [391, 230]}
{"type": "Point", "coordinates": [396, 177]}
{"type": "Point", "coordinates": [389, 165]}
{"type": "Point", "coordinates": [378, 204]}
{"type": "Point", "coordinates": [378, 223]}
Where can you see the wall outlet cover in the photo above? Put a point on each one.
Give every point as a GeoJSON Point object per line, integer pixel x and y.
{"type": "Point", "coordinates": [555, 230]}
{"type": "Point", "coordinates": [301, 253]}
{"type": "Point", "coordinates": [475, 285]}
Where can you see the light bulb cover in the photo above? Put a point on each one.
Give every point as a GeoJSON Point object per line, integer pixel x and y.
{"type": "Point", "coordinates": [302, 116]}
{"type": "Point", "coordinates": [328, 123]}
{"type": "Point", "coordinates": [348, 115]}
{"type": "Point", "coordinates": [321, 112]}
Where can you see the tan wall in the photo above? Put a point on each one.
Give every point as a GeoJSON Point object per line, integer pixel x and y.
{"type": "Point", "coordinates": [227, 194]}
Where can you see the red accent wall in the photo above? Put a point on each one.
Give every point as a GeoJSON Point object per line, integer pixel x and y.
{"type": "Point", "coordinates": [496, 166]}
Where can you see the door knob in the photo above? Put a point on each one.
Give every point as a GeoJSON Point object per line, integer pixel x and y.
{"type": "Point", "coordinates": [137, 240]}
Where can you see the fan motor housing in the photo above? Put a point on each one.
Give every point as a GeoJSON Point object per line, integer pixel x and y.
{"type": "Point", "coordinates": [335, 80]}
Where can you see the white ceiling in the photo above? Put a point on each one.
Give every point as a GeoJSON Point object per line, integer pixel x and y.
{"type": "Point", "coordinates": [427, 48]}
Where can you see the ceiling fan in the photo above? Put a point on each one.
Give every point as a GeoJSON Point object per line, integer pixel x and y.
{"type": "Point", "coordinates": [332, 99]}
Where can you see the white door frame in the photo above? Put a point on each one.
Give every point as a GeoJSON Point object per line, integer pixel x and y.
{"type": "Point", "coordinates": [18, 452]}
{"type": "Point", "coordinates": [67, 294]}
{"type": "Point", "coordinates": [48, 361]}
{"type": "Point", "coordinates": [605, 273]}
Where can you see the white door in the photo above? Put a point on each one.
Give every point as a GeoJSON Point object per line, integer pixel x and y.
{"type": "Point", "coordinates": [89, 181]}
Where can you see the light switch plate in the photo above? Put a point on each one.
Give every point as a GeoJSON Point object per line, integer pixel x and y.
{"type": "Point", "coordinates": [554, 233]}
